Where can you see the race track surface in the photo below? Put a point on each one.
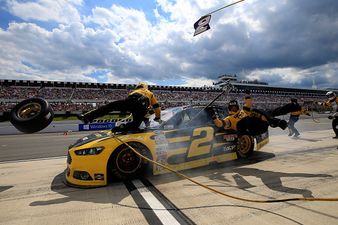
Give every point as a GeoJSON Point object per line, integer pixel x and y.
{"type": "Point", "coordinates": [60, 135]}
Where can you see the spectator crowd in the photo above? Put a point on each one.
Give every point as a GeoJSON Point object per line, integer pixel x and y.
{"type": "Point", "coordinates": [85, 99]}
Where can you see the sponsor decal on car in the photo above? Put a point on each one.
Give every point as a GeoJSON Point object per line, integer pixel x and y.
{"type": "Point", "coordinates": [230, 137]}
{"type": "Point", "coordinates": [96, 126]}
{"type": "Point", "coordinates": [161, 149]}
{"type": "Point", "coordinates": [262, 140]}
{"type": "Point", "coordinates": [229, 148]}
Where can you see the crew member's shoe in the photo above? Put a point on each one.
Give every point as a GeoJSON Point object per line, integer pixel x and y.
{"type": "Point", "coordinates": [336, 137]}
{"type": "Point", "coordinates": [283, 124]}
{"type": "Point", "coordinates": [275, 122]}
{"type": "Point", "coordinates": [296, 135]}
{"type": "Point", "coordinates": [290, 132]}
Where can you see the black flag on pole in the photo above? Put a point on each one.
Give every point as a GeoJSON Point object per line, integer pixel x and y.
{"type": "Point", "coordinates": [202, 24]}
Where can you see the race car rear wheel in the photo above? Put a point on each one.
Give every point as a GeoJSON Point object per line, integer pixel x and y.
{"type": "Point", "coordinates": [31, 115]}
{"type": "Point", "coordinates": [125, 164]}
{"type": "Point", "coordinates": [245, 146]}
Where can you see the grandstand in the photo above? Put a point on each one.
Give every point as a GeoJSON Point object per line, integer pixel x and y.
{"type": "Point", "coordinates": [80, 96]}
{"type": "Point", "coordinates": [233, 79]}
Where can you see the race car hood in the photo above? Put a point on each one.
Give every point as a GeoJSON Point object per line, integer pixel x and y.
{"type": "Point", "coordinates": [90, 138]}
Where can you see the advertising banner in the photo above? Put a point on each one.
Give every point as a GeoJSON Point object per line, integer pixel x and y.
{"type": "Point", "coordinates": [96, 126]}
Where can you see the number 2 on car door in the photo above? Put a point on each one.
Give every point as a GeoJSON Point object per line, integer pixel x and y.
{"type": "Point", "coordinates": [195, 148]}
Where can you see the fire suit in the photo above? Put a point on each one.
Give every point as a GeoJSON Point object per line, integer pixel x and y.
{"type": "Point", "coordinates": [247, 120]}
{"type": "Point", "coordinates": [137, 102]}
{"type": "Point", "coordinates": [330, 103]}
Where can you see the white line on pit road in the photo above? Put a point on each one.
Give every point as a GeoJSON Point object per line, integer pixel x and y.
{"type": "Point", "coordinates": [160, 211]}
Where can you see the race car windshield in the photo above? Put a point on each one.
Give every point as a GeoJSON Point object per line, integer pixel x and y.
{"type": "Point", "coordinates": [166, 115]}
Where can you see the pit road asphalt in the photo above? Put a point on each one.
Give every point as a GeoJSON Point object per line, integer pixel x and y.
{"type": "Point", "coordinates": [32, 192]}
{"type": "Point", "coordinates": [55, 142]}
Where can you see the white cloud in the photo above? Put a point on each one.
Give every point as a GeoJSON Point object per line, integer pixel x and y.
{"type": "Point", "coordinates": [197, 82]}
{"type": "Point", "coordinates": [265, 38]}
{"type": "Point", "coordinates": [324, 75]}
{"type": "Point", "coordinates": [129, 24]}
{"type": "Point", "coordinates": [61, 11]}
{"type": "Point", "coordinates": [61, 52]}
{"type": "Point", "coordinates": [123, 41]}
{"type": "Point", "coordinates": [14, 71]}
{"type": "Point", "coordinates": [287, 75]}
{"type": "Point", "coordinates": [111, 78]}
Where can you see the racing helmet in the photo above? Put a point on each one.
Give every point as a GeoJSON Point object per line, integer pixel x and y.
{"type": "Point", "coordinates": [142, 85]}
{"type": "Point", "coordinates": [331, 95]}
{"type": "Point", "coordinates": [293, 100]}
{"type": "Point", "coordinates": [233, 103]}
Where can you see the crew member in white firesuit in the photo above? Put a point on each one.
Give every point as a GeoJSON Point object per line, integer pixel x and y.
{"type": "Point", "coordinates": [247, 120]}
{"type": "Point", "coordinates": [294, 117]}
{"type": "Point", "coordinates": [137, 102]}
{"type": "Point", "coordinates": [332, 102]}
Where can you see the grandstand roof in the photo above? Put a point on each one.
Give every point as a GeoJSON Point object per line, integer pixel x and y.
{"type": "Point", "coordinates": [276, 87]}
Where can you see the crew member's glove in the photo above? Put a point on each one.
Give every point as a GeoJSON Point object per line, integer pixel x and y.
{"type": "Point", "coordinates": [330, 117]}
{"type": "Point", "coordinates": [215, 116]}
{"type": "Point", "coordinates": [318, 103]}
{"type": "Point", "coordinates": [120, 128]}
{"type": "Point", "coordinates": [158, 119]}
{"type": "Point", "coordinates": [151, 111]}
{"type": "Point", "coordinates": [247, 91]}
{"type": "Point", "coordinates": [84, 118]}
{"type": "Point", "coordinates": [213, 113]}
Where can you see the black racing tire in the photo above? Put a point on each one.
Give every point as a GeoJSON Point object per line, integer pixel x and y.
{"type": "Point", "coordinates": [245, 146]}
{"type": "Point", "coordinates": [31, 115]}
{"type": "Point", "coordinates": [125, 164]}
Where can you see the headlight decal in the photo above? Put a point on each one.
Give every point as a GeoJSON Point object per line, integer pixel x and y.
{"type": "Point", "coordinates": [89, 151]}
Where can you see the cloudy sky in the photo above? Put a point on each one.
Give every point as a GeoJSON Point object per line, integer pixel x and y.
{"type": "Point", "coordinates": [290, 43]}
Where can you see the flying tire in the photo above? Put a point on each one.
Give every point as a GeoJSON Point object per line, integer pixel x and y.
{"type": "Point", "coordinates": [31, 115]}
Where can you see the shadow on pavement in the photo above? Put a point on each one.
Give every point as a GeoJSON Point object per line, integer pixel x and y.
{"type": "Point", "coordinates": [4, 188]}
{"type": "Point", "coordinates": [113, 193]}
{"type": "Point", "coordinates": [273, 181]}
{"type": "Point", "coordinates": [116, 191]}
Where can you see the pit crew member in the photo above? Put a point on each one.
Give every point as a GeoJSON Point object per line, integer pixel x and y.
{"type": "Point", "coordinates": [247, 120]}
{"type": "Point", "coordinates": [137, 102]}
{"type": "Point", "coordinates": [294, 117]}
{"type": "Point", "coordinates": [332, 101]}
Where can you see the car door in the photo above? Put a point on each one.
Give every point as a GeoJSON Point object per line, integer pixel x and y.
{"type": "Point", "coordinates": [194, 141]}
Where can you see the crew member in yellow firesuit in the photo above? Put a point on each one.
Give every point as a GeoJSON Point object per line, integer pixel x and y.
{"type": "Point", "coordinates": [332, 100]}
{"type": "Point", "coordinates": [137, 102]}
{"type": "Point", "coordinates": [294, 117]}
{"type": "Point", "coordinates": [247, 120]}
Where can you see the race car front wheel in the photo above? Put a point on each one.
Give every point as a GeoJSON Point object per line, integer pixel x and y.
{"type": "Point", "coordinates": [31, 115]}
{"type": "Point", "coordinates": [245, 146]}
{"type": "Point", "coordinates": [125, 164]}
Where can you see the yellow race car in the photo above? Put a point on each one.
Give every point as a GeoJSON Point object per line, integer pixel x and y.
{"type": "Point", "coordinates": [182, 141]}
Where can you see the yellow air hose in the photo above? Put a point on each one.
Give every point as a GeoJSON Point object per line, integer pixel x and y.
{"type": "Point", "coordinates": [219, 192]}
